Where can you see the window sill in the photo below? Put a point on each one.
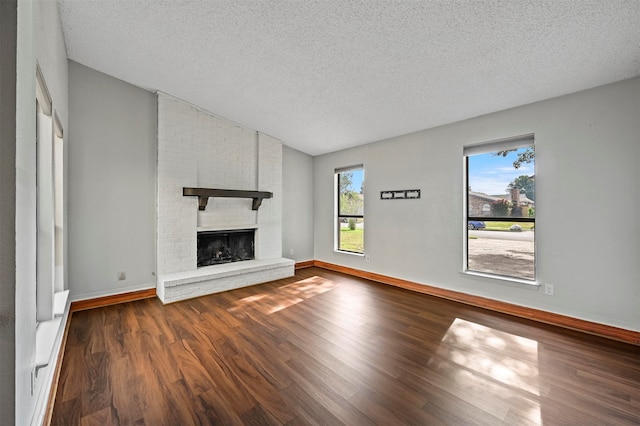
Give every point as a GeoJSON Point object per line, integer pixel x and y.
{"type": "Point", "coordinates": [500, 279]}
{"type": "Point", "coordinates": [348, 252]}
{"type": "Point", "coordinates": [46, 333]}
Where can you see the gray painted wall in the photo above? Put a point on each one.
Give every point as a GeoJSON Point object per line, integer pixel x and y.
{"type": "Point", "coordinates": [112, 169]}
{"type": "Point", "coordinates": [297, 205]}
{"type": "Point", "coordinates": [8, 35]}
{"type": "Point", "coordinates": [587, 199]}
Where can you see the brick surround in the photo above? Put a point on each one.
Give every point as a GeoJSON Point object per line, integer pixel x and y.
{"type": "Point", "coordinates": [198, 149]}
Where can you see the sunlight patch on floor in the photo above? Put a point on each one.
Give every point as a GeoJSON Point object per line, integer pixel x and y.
{"type": "Point", "coordinates": [286, 295]}
{"type": "Point", "coordinates": [493, 361]}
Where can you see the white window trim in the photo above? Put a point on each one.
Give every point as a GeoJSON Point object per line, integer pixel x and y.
{"type": "Point", "coordinates": [504, 144]}
{"type": "Point", "coordinates": [503, 279]}
{"type": "Point", "coordinates": [336, 198]}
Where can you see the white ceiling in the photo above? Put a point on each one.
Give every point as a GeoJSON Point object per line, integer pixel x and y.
{"type": "Point", "coordinates": [325, 75]}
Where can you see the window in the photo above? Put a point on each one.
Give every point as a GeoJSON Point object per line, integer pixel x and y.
{"type": "Point", "coordinates": [49, 203]}
{"type": "Point", "coordinates": [350, 208]}
{"type": "Point", "coordinates": [500, 208]}
{"type": "Point", "coordinates": [44, 203]}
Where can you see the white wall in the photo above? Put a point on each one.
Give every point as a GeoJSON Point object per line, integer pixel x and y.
{"type": "Point", "coordinates": [587, 199]}
{"type": "Point", "coordinates": [297, 209]}
{"type": "Point", "coordinates": [112, 166]}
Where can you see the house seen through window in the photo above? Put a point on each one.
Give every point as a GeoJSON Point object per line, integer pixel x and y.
{"type": "Point", "coordinates": [350, 206]}
{"type": "Point", "coordinates": [501, 208]}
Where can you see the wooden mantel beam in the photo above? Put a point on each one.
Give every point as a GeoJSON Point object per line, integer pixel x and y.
{"type": "Point", "coordinates": [203, 195]}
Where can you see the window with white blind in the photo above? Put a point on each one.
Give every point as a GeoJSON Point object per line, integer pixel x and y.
{"type": "Point", "coordinates": [500, 209]}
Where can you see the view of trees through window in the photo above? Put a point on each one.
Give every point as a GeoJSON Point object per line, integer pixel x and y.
{"type": "Point", "coordinates": [501, 209]}
{"type": "Point", "coordinates": [350, 232]}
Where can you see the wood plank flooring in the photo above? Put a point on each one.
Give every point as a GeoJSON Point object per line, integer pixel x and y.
{"type": "Point", "coordinates": [327, 348]}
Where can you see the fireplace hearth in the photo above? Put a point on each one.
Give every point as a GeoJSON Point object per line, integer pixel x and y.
{"type": "Point", "coordinates": [219, 247]}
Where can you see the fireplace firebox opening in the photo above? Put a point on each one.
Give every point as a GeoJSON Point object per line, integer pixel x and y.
{"type": "Point", "coordinates": [218, 247]}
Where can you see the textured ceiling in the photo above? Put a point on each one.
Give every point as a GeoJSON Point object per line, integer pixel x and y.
{"type": "Point", "coordinates": [326, 75]}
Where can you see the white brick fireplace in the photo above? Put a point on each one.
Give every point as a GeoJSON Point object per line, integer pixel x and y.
{"type": "Point", "coordinates": [197, 149]}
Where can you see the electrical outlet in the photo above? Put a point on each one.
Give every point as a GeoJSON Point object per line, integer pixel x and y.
{"type": "Point", "coordinates": [548, 289]}
{"type": "Point", "coordinates": [367, 258]}
{"type": "Point", "coordinates": [291, 252]}
{"type": "Point", "coordinates": [122, 276]}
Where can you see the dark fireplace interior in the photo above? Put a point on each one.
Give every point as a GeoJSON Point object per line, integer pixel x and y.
{"type": "Point", "coordinates": [217, 247]}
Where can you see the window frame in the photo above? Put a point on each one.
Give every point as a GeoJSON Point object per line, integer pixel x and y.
{"type": "Point", "coordinates": [340, 216]}
{"type": "Point", "coordinates": [485, 148]}
{"type": "Point", "coordinates": [50, 209]}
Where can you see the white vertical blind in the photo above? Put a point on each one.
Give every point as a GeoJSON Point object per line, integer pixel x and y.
{"type": "Point", "coordinates": [499, 145]}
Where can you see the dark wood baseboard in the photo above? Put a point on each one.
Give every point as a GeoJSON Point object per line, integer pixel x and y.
{"type": "Point", "coordinates": [305, 264]}
{"type": "Point", "coordinates": [81, 305]}
{"type": "Point", "coordinates": [602, 330]}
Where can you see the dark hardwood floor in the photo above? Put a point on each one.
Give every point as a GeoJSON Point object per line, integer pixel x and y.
{"type": "Point", "coordinates": [326, 348]}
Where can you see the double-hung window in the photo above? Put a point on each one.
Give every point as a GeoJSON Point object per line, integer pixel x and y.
{"type": "Point", "coordinates": [500, 209]}
{"type": "Point", "coordinates": [349, 183]}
